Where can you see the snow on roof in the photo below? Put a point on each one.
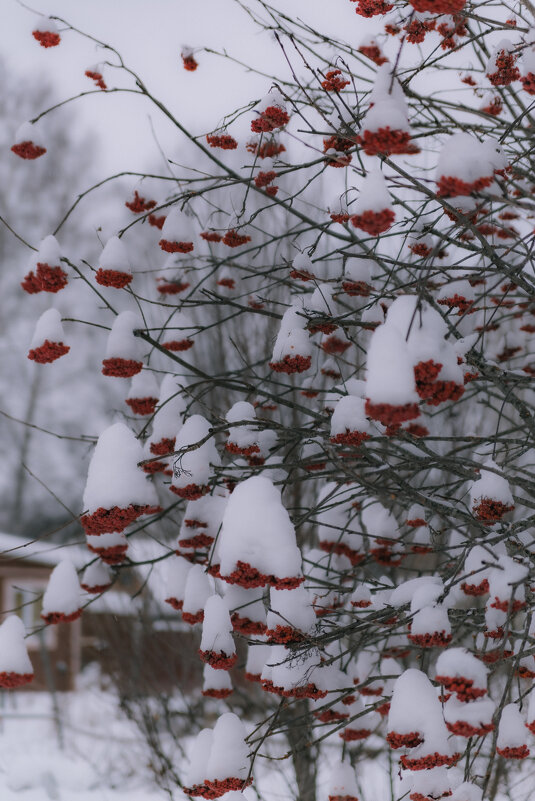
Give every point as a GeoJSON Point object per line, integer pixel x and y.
{"type": "Point", "coordinates": [22, 550]}
{"type": "Point", "coordinates": [115, 603]}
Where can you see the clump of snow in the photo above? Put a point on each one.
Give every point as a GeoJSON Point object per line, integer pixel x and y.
{"type": "Point", "coordinates": [349, 416]}
{"type": "Point", "coordinates": [433, 783]}
{"type": "Point", "coordinates": [373, 196]}
{"type": "Point", "coordinates": [199, 587]}
{"type": "Point", "coordinates": [115, 256]}
{"type": "Point", "coordinates": [216, 682]}
{"type": "Point", "coordinates": [62, 594]}
{"type": "Point", "coordinates": [386, 112]}
{"type": "Point", "coordinates": [177, 227]}
{"type": "Point", "coordinates": [511, 729]}
{"type": "Point", "coordinates": [229, 754]}
{"type": "Point", "coordinates": [257, 530]}
{"type": "Point", "coordinates": [177, 574]}
{"type": "Point", "coordinates": [291, 608]}
{"type": "Point", "coordinates": [121, 342]}
{"type": "Point", "coordinates": [467, 792]}
{"type": "Point", "coordinates": [170, 411]}
{"type": "Point", "coordinates": [302, 266]}
{"type": "Point", "coordinates": [144, 385]}
{"type": "Point", "coordinates": [407, 590]}
{"type": "Point", "coordinates": [292, 340]}
{"type": "Point", "coordinates": [390, 373]}
{"type": "Point", "coordinates": [460, 663]}
{"type": "Point", "coordinates": [491, 485]}
{"type": "Point", "coordinates": [30, 132]}
{"type": "Point", "coordinates": [114, 479]}
{"type": "Point", "coordinates": [342, 781]}
{"type": "Point", "coordinates": [464, 158]}
{"type": "Point", "coordinates": [96, 577]}
{"type": "Point", "coordinates": [217, 628]}
{"type": "Point", "coordinates": [195, 464]}
{"type": "Point", "coordinates": [257, 657]}
{"type": "Point", "coordinates": [476, 714]}
{"type": "Point", "coordinates": [49, 252]}
{"type": "Point", "coordinates": [45, 24]}
{"type": "Point", "coordinates": [48, 327]}
{"type": "Point", "coordinates": [425, 717]}
{"type": "Point", "coordinates": [198, 756]}
{"type": "Point", "coordinates": [13, 652]}
{"type": "Point", "coordinates": [246, 605]}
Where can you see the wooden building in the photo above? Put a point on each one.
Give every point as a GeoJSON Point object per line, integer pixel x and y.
{"type": "Point", "coordinates": [145, 647]}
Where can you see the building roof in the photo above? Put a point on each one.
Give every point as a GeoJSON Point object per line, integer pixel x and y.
{"type": "Point", "coordinates": [22, 550]}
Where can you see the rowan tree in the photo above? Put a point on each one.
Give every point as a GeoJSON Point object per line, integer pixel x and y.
{"type": "Point", "coordinates": [328, 407]}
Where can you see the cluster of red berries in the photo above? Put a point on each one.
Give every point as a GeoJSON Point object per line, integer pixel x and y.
{"type": "Point", "coordinates": [292, 364]}
{"type": "Point", "coordinates": [116, 367]}
{"type": "Point", "coordinates": [387, 142]}
{"type": "Point", "coordinates": [224, 141]}
{"type": "Point", "coordinates": [372, 8]}
{"type": "Point", "coordinates": [506, 70]}
{"type": "Point", "coordinates": [97, 77]}
{"type": "Point", "coordinates": [373, 52]}
{"type": "Point", "coordinates": [271, 118]}
{"type": "Point", "coordinates": [48, 352]}
{"type": "Point", "coordinates": [189, 63]}
{"type": "Point", "coordinates": [333, 82]}
{"type": "Point", "coordinates": [45, 279]}
{"type": "Point", "coordinates": [28, 150]}
{"type": "Point", "coordinates": [139, 204]}
{"type": "Point", "coordinates": [265, 150]}
{"type": "Point", "coordinates": [374, 222]}
{"type": "Point", "coordinates": [417, 29]}
{"type": "Point", "coordinates": [113, 278]}
{"type": "Point", "coordinates": [232, 239]}
{"type": "Point", "coordinates": [47, 38]}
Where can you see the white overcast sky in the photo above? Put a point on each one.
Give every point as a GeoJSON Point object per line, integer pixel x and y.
{"type": "Point", "coordinates": [149, 35]}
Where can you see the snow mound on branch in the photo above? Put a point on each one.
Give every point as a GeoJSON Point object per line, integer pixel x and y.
{"type": "Point", "coordinates": [373, 196]}
{"type": "Point", "coordinates": [171, 408]}
{"type": "Point", "coordinates": [122, 343]}
{"type": "Point", "coordinates": [96, 577]}
{"type": "Point", "coordinates": [199, 587]}
{"type": "Point", "coordinates": [144, 385]}
{"type": "Point", "coordinates": [13, 652]}
{"type": "Point", "coordinates": [406, 591]}
{"type": "Point", "coordinates": [257, 530]}
{"type": "Point", "coordinates": [48, 327]}
{"type": "Point", "coordinates": [349, 415]}
{"type": "Point", "coordinates": [177, 574]}
{"type": "Point", "coordinates": [387, 85]}
{"type": "Point", "coordinates": [63, 594]}
{"type": "Point", "coordinates": [292, 340]}
{"type": "Point", "coordinates": [195, 466]}
{"type": "Point", "coordinates": [115, 256]}
{"type": "Point", "coordinates": [491, 485]}
{"type": "Point", "coordinates": [216, 627]}
{"type": "Point", "coordinates": [465, 158]}
{"type": "Point", "coordinates": [425, 717]}
{"type": "Point", "coordinates": [229, 754]}
{"type": "Point", "coordinates": [342, 781]}
{"type": "Point", "coordinates": [467, 792]}
{"type": "Point", "coordinates": [49, 252]}
{"type": "Point", "coordinates": [512, 732]}
{"type": "Point", "coordinates": [198, 756]}
{"type": "Point", "coordinates": [459, 662]}
{"type": "Point", "coordinates": [114, 479]}
{"type": "Point", "coordinates": [291, 608]}
{"type": "Point", "coordinates": [390, 373]}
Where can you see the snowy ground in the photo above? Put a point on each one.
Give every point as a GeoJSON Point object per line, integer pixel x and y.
{"type": "Point", "coordinates": [96, 754]}
{"type": "Point", "coordinates": [102, 757]}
